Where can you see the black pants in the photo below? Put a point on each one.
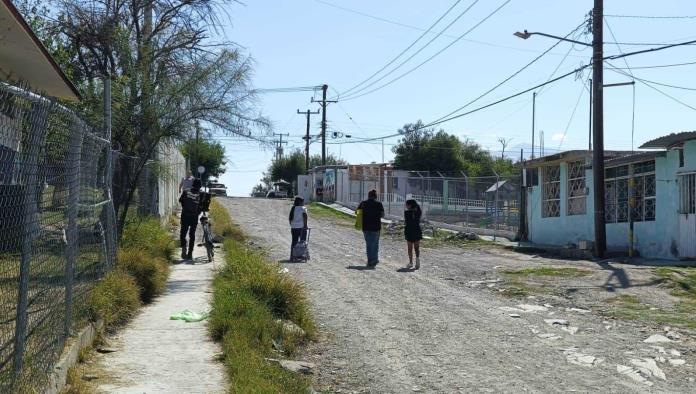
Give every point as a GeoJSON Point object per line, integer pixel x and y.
{"type": "Point", "coordinates": [188, 225]}
{"type": "Point", "coordinates": [297, 235]}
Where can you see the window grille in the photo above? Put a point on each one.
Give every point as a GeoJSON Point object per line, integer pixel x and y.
{"type": "Point", "coordinates": [551, 204]}
{"type": "Point", "coordinates": [687, 193]}
{"type": "Point", "coordinates": [577, 198]}
{"type": "Point", "coordinates": [617, 193]}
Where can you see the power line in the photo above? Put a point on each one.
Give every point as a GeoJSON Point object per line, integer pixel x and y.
{"type": "Point", "coordinates": [572, 115]}
{"type": "Point", "coordinates": [433, 56]}
{"type": "Point", "coordinates": [466, 10]}
{"type": "Point", "coordinates": [440, 121]}
{"type": "Point", "coordinates": [411, 27]}
{"type": "Point", "coordinates": [652, 16]}
{"type": "Point", "coordinates": [648, 84]}
{"type": "Point", "coordinates": [504, 81]}
{"type": "Point", "coordinates": [407, 48]}
{"type": "Point", "coordinates": [659, 66]}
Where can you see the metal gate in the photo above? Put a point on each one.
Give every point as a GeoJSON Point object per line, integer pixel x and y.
{"type": "Point", "coordinates": [687, 215]}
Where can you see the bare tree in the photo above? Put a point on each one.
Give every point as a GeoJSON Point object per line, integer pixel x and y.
{"type": "Point", "coordinates": [166, 73]}
{"type": "Point", "coordinates": [504, 142]}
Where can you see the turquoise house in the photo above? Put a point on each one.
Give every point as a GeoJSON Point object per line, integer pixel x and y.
{"type": "Point", "coordinates": [560, 208]}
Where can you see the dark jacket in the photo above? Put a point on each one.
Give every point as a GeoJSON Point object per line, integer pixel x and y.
{"type": "Point", "coordinates": [190, 205]}
{"type": "Point", "coordinates": [373, 212]}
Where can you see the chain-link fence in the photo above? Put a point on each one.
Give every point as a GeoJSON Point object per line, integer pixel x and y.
{"type": "Point", "coordinates": [56, 231]}
{"type": "Point", "coordinates": [484, 203]}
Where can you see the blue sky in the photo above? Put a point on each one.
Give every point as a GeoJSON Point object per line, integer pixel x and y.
{"type": "Point", "coordinates": [307, 42]}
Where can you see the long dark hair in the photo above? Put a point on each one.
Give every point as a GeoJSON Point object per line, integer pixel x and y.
{"type": "Point", "coordinates": [413, 204]}
{"type": "Point", "coordinates": [299, 201]}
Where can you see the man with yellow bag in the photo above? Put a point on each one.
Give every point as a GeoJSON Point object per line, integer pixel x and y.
{"type": "Point", "coordinates": [369, 219]}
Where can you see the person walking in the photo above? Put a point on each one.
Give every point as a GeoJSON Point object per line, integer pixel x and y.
{"type": "Point", "coordinates": [190, 209]}
{"type": "Point", "coordinates": [186, 182]}
{"type": "Point", "coordinates": [298, 223]}
{"type": "Point", "coordinates": [412, 231]}
{"type": "Point", "coordinates": [372, 215]}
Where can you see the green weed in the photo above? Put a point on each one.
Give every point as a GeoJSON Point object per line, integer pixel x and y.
{"type": "Point", "coordinates": [250, 301]}
{"type": "Point", "coordinates": [149, 271]}
{"type": "Point", "coordinates": [115, 299]}
{"type": "Point", "coordinates": [222, 222]}
{"type": "Point", "coordinates": [148, 235]}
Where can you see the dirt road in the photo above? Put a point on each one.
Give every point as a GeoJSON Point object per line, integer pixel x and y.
{"type": "Point", "coordinates": [434, 330]}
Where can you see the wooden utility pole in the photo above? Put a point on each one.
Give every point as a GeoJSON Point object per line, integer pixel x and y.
{"type": "Point", "coordinates": [306, 137]}
{"type": "Point", "coordinates": [324, 102]}
{"type": "Point", "coordinates": [280, 142]}
{"type": "Point", "coordinates": [598, 127]}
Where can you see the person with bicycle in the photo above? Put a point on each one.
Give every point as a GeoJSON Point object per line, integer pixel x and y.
{"type": "Point", "coordinates": [190, 210]}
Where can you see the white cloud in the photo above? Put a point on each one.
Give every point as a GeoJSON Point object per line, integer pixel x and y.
{"type": "Point", "coordinates": [557, 137]}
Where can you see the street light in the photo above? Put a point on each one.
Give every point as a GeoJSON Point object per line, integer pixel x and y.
{"type": "Point", "coordinates": [597, 119]}
{"type": "Point", "coordinates": [526, 34]}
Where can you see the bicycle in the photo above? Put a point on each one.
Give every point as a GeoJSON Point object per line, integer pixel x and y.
{"type": "Point", "coordinates": [207, 237]}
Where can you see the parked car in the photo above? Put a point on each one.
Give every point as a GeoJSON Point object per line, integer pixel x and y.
{"type": "Point", "coordinates": [277, 194]}
{"type": "Point", "coordinates": [217, 189]}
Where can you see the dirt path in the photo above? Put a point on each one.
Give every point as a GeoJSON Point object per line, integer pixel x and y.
{"type": "Point", "coordinates": [388, 331]}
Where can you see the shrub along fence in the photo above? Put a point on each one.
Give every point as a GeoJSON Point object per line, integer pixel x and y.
{"type": "Point", "coordinates": [57, 230]}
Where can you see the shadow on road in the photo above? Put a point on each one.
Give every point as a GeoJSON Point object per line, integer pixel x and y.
{"type": "Point", "coordinates": [360, 268]}
{"type": "Point", "coordinates": [404, 269]}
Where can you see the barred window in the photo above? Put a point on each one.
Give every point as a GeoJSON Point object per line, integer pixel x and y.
{"type": "Point", "coordinates": [617, 193]}
{"type": "Point", "coordinates": [687, 193]}
{"type": "Point", "coordinates": [551, 189]}
{"type": "Point", "coordinates": [577, 198]}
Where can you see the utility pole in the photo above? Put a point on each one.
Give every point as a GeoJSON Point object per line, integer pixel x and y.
{"type": "Point", "coordinates": [533, 119]}
{"type": "Point", "coordinates": [382, 150]}
{"type": "Point", "coordinates": [589, 132]}
{"type": "Point", "coordinates": [324, 102]}
{"type": "Point", "coordinates": [598, 127]}
{"type": "Point", "coordinates": [280, 142]}
{"type": "Point", "coordinates": [306, 137]}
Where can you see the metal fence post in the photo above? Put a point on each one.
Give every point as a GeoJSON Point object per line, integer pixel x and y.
{"type": "Point", "coordinates": [73, 159]}
{"type": "Point", "coordinates": [466, 198]}
{"type": "Point", "coordinates": [110, 214]}
{"type": "Point", "coordinates": [497, 187]}
{"type": "Point", "coordinates": [29, 168]}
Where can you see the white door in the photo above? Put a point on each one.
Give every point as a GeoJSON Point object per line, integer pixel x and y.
{"type": "Point", "coordinates": [687, 216]}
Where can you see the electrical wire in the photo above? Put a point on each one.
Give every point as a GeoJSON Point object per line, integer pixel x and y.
{"type": "Point", "coordinates": [357, 92]}
{"type": "Point", "coordinates": [651, 16]}
{"type": "Point", "coordinates": [405, 50]}
{"type": "Point", "coordinates": [633, 107]}
{"type": "Point", "coordinates": [648, 84]}
{"type": "Point", "coordinates": [433, 56]}
{"type": "Point", "coordinates": [572, 115]}
{"type": "Point", "coordinates": [504, 81]}
{"type": "Point", "coordinates": [660, 66]}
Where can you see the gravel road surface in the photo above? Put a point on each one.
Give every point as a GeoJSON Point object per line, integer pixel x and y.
{"type": "Point", "coordinates": [393, 331]}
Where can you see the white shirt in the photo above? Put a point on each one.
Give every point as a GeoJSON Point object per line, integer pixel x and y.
{"type": "Point", "coordinates": [298, 217]}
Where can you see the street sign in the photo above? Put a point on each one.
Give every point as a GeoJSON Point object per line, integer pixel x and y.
{"type": "Point", "coordinates": [201, 169]}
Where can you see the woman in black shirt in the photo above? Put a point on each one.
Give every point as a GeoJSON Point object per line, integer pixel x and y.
{"type": "Point", "coordinates": [412, 231]}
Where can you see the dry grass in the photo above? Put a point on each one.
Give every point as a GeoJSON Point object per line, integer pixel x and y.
{"type": "Point", "coordinates": [222, 222]}
{"type": "Point", "coordinates": [115, 299]}
{"type": "Point", "coordinates": [149, 271]}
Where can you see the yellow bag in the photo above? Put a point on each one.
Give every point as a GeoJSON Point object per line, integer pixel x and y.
{"type": "Point", "coordinates": [358, 219]}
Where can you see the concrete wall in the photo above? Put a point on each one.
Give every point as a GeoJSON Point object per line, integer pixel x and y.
{"type": "Point", "coordinates": [653, 239]}
{"type": "Point", "coordinates": [563, 229]}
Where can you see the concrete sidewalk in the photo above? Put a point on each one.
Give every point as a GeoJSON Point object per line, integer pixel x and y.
{"type": "Point", "coordinates": [158, 355]}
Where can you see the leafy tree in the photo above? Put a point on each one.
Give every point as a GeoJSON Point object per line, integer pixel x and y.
{"type": "Point", "coordinates": [209, 154]}
{"type": "Point", "coordinates": [167, 74]}
{"type": "Point", "coordinates": [288, 167]}
{"type": "Point", "coordinates": [331, 160]}
{"type": "Point", "coordinates": [425, 149]}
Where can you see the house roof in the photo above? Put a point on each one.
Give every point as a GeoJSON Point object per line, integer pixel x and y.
{"type": "Point", "coordinates": [23, 58]}
{"type": "Point", "coordinates": [634, 158]}
{"type": "Point", "coordinates": [669, 141]}
{"type": "Point", "coordinates": [571, 155]}
{"type": "Point", "coordinates": [496, 186]}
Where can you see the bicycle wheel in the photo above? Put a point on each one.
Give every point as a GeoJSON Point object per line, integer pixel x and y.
{"type": "Point", "coordinates": [209, 249]}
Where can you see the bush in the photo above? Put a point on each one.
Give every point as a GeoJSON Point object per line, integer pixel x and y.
{"type": "Point", "coordinates": [249, 298]}
{"type": "Point", "coordinates": [148, 235]}
{"type": "Point", "coordinates": [115, 299]}
{"type": "Point", "coordinates": [222, 222]}
{"type": "Point", "coordinates": [150, 272]}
